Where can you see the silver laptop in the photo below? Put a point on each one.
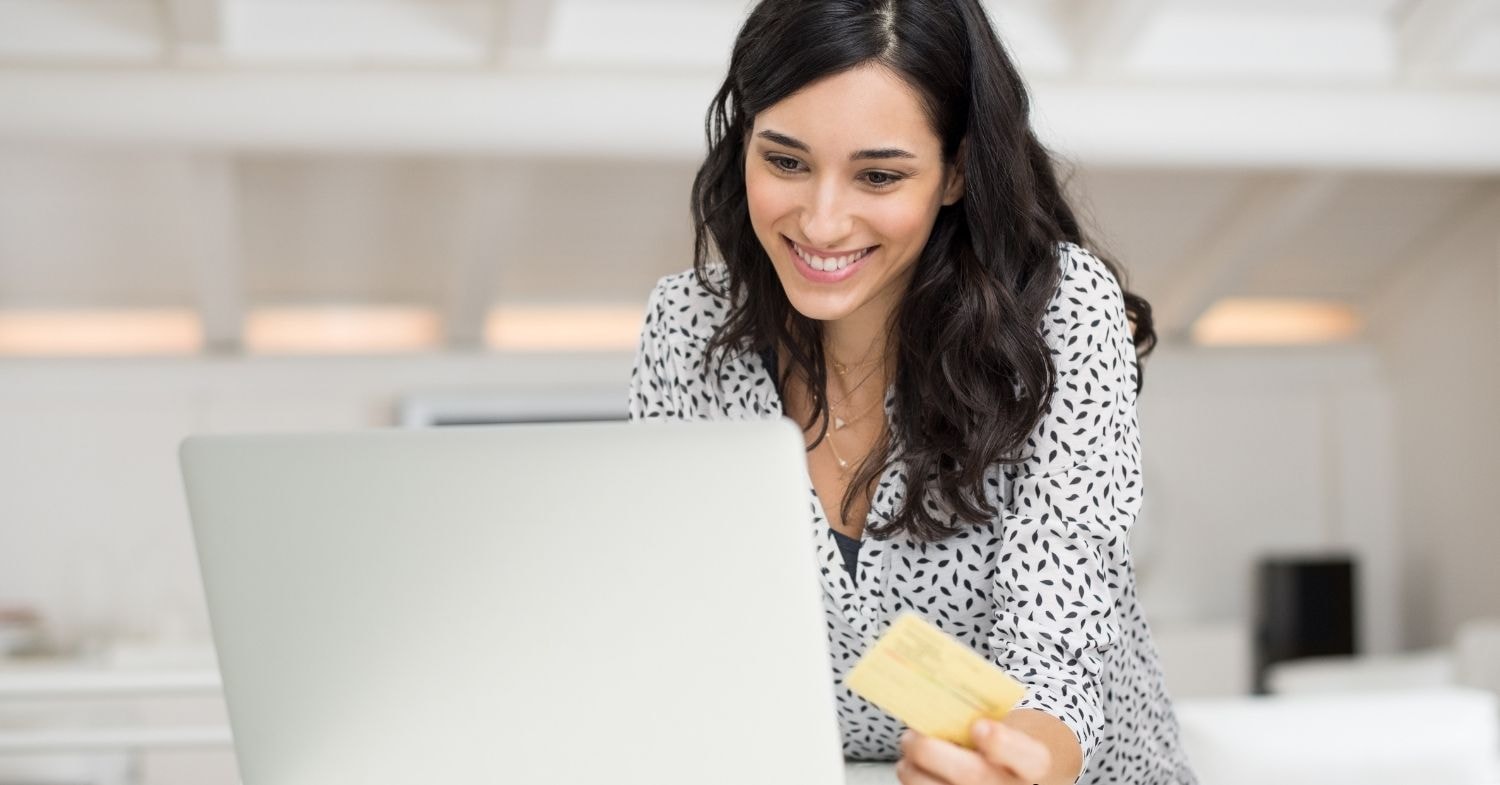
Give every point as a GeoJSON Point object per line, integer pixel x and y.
{"type": "Point", "coordinates": [603, 603]}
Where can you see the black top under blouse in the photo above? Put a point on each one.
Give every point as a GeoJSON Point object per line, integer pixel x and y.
{"type": "Point", "coordinates": [849, 547]}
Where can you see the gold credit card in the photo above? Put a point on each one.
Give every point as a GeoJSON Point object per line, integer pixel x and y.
{"type": "Point", "coordinates": [932, 682]}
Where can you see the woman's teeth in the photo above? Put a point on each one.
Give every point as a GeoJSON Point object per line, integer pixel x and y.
{"type": "Point", "coordinates": [828, 265]}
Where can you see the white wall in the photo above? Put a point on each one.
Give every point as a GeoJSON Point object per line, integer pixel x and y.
{"type": "Point", "coordinates": [1439, 332]}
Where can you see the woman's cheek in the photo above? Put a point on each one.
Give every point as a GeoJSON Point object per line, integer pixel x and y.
{"type": "Point", "coordinates": [903, 219]}
{"type": "Point", "coordinates": [763, 199]}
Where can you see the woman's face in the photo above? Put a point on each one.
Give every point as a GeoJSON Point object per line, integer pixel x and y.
{"type": "Point", "coordinates": [844, 179]}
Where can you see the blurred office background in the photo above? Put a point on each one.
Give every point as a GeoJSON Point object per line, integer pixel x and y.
{"type": "Point", "coordinates": [243, 215]}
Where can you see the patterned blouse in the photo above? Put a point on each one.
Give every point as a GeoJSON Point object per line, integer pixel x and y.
{"type": "Point", "coordinates": [1046, 591]}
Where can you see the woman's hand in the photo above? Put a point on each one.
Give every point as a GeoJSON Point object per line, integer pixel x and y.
{"type": "Point", "coordinates": [1002, 756]}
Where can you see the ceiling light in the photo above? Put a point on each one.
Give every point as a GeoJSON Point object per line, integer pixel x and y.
{"type": "Point", "coordinates": [1276, 322]}
{"type": "Point", "coordinates": [564, 327]}
{"type": "Point", "coordinates": [99, 332]}
{"type": "Point", "coordinates": [342, 329]}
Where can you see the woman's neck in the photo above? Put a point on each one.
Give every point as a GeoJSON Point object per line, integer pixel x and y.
{"type": "Point", "coordinates": [857, 340]}
{"type": "Point", "coordinates": [863, 334]}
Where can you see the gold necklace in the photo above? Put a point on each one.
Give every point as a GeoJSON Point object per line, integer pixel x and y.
{"type": "Point", "coordinates": [850, 391]}
{"type": "Point", "coordinates": [843, 464]}
{"type": "Point", "coordinates": [840, 423]}
{"type": "Point", "coordinates": [843, 368]}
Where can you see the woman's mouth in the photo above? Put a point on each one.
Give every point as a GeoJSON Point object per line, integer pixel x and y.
{"type": "Point", "coordinates": [827, 269]}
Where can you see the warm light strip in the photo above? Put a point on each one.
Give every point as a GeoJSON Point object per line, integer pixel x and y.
{"type": "Point", "coordinates": [564, 328]}
{"type": "Point", "coordinates": [99, 332]}
{"type": "Point", "coordinates": [1275, 322]}
{"type": "Point", "coordinates": [342, 329]}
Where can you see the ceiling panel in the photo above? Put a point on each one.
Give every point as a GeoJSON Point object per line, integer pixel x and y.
{"type": "Point", "coordinates": [1256, 41]}
{"type": "Point", "coordinates": [1376, 221]}
{"type": "Point", "coordinates": [1481, 58]}
{"type": "Point", "coordinates": [378, 230]}
{"type": "Point", "coordinates": [1152, 220]}
{"type": "Point", "coordinates": [597, 231]}
{"type": "Point", "coordinates": [1371, 7]}
{"type": "Point", "coordinates": [644, 32]}
{"type": "Point", "coordinates": [362, 229]}
{"type": "Point", "coordinates": [83, 31]}
{"type": "Point", "coordinates": [88, 229]}
{"type": "Point", "coordinates": [1031, 36]}
{"type": "Point", "coordinates": [359, 31]}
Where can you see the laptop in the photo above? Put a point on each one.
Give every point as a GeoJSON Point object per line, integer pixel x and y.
{"type": "Point", "coordinates": [606, 603]}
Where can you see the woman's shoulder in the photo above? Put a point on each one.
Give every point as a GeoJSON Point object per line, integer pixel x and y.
{"type": "Point", "coordinates": [1084, 275]}
{"type": "Point", "coordinates": [1088, 296]}
{"type": "Point", "coordinates": [689, 305]}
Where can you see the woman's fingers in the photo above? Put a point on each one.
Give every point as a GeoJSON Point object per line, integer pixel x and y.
{"type": "Point", "coordinates": [946, 763]}
{"type": "Point", "coordinates": [907, 773]}
{"type": "Point", "coordinates": [1011, 750]}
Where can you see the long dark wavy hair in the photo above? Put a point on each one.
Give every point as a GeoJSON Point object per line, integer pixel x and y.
{"type": "Point", "coordinates": [973, 373]}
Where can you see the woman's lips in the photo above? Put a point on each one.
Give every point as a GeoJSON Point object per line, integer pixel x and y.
{"type": "Point", "coordinates": [829, 276]}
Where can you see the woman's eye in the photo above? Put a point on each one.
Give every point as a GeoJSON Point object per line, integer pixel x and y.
{"type": "Point", "coordinates": [881, 179]}
{"type": "Point", "coordinates": [783, 163]}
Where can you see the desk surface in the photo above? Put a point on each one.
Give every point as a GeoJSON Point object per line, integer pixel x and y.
{"type": "Point", "coordinates": [870, 774]}
{"type": "Point", "coordinates": [22, 679]}
{"type": "Point", "coordinates": [57, 680]}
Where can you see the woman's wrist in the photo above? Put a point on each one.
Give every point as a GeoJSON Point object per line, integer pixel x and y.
{"type": "Point", "coordinates": [1057, 737]}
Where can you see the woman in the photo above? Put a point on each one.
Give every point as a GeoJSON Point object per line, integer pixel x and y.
{"type": "Point", "coordinates": [901, 275]}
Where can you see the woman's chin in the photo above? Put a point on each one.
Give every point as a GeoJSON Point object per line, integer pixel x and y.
{"type": "Point", "coordinates": [822, 308]}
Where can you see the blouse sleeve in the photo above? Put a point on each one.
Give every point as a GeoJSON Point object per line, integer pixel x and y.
{"type": "Point", "coordinates": [653, 379]}
{"type": "Point", "coordinates": [1063, 554]}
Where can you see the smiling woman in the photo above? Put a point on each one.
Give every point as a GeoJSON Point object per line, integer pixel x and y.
{"type": "Point", "coordinates": [898, 271]}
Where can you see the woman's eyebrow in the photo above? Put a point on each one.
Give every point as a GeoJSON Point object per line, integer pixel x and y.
{"type": "Point", "coordinates": [883, 152]}
{"type": "Point", "coordinates": [859, 155]}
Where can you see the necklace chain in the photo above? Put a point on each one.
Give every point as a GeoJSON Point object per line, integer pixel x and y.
{"type": "Point", "coordinates": [840, 423]}
{"type": "Point", "coordinates": [844, 368]}
{"type": "Point", "coordinates": [828, 437]}
{"type": "Point", "coordinates": [849, 392]}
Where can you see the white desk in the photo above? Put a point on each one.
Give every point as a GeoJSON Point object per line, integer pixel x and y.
{"type": "Point", "coordinates": [117, 739]}
{"type": "Point", "coordinates": [28, 681]}
{"type": "Point", "coordinates": [23, 680]}
{"type": "Point", "coordinates": [870, 774]}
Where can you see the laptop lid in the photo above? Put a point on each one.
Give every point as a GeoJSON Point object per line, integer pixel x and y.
{"type": "Point", "coordinates": [541, 603]}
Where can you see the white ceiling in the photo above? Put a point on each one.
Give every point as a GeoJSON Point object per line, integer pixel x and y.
{"type": "Point", "coordinates": [1359, 83]}
{"type": "Point", "coordinates": [1343, 39]}
{"type": "Point", "coordinates": [458, 153]}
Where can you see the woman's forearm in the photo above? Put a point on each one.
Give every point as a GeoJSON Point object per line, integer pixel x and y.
{"type": "Point", "coordinates": [1067, 756]}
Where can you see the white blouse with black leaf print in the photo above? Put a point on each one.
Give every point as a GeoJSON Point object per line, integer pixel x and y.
{"type": "Point", "coordinates": [1046, 591]}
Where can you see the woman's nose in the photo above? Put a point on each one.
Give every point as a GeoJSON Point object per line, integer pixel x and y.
{"type": "Point", "coordinates": [826, 221]}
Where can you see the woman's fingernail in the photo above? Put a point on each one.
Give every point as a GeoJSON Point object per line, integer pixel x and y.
{"type": "Point", "coordinates": [982, 728]}
{"type": "Point", "coordinates": [906, 737]}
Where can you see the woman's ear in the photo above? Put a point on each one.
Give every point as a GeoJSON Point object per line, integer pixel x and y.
{"type": "Point", "coordinates": [953, 189]}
